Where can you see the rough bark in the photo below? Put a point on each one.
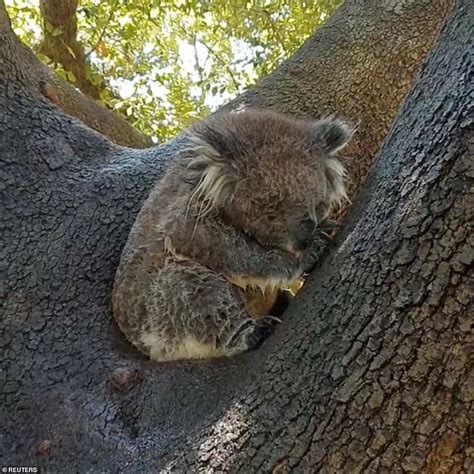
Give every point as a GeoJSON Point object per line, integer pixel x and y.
{"type": "Point", "coordinates": [370, 370]}
{"type": "Point", "coordinates": [40, 77]}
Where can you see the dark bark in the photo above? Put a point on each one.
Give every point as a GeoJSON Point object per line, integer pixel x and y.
{"type": "Point", "coordinates": [370, 370]}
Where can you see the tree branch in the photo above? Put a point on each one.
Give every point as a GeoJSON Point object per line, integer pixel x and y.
{"type": "Point", "coordinates": [228, 68]}
{"type": "Point", "coordinates": [38, 78]}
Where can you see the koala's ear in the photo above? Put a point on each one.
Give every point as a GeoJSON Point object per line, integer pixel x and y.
{"type": "Point", "coordinates": [213, 175]}
{"type": "Point", "coordinates": [332, 134]}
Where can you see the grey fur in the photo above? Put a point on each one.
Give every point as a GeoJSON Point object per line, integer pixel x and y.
{"type": "Point", "coordinates": [230, 215]}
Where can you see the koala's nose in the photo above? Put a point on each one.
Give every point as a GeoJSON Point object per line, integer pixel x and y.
{"type": "Point", "coordinates": [304, 232]}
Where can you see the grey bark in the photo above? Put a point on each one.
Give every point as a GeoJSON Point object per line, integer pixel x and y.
{"type": "Point", "coordinates": [370, 371]}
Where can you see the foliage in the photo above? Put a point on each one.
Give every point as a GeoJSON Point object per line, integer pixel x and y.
{"type": "Point", "coordinates": [169, 62]}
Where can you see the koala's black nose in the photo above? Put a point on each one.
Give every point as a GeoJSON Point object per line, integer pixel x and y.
{"type": "Point", "coordinates": [304, 233]}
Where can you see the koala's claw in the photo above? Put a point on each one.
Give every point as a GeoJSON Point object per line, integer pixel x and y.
{"type": "Point", "coordinates": [268, 321]}
{"type": "Point", "coordinates": [252, 333]}
{"type": "Point", "coordinates": [262, 329]}
{"type": "Point", "coordinates": [325, 236]}
{"type": "Point", "coordinates": [329, 225]}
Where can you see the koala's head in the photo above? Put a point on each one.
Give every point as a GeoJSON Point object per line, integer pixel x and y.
{"type": "Point", "coordinates": [269, 175]}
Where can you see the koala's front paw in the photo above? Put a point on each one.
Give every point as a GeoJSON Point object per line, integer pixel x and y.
{"type": "Point", "coordinates": [255, 338]}
{"type": "Point", "coordinates": [252, 334]}
{"type": "Point", "coordinates": [262, 329]}
{"type": "Point", "coordinates": [314, 253]}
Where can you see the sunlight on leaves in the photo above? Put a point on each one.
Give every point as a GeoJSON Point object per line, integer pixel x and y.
{"type": "Point", "coordinates": [169, 63]}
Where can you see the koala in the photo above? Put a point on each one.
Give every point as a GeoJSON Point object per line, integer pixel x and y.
{"type": "Point", "coordinates": [233, 220]}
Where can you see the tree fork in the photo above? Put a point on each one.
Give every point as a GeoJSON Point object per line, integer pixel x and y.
{"type": "Point", "coordinates": [369, 370]}
{"type": "Point", "coordinates": [41, 78]}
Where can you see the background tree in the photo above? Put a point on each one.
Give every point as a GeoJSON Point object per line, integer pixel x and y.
{"type": "Point", "coordinates": [165, 64]}
{"type": "Point", "coordinates": [370, 371]}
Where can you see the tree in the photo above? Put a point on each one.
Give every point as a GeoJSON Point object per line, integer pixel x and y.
{"type": "Point", "coordinates": [370, 370]}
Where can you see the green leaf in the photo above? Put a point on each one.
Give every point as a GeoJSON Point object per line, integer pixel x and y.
{"type": "Point", "coordinates": [70, 76]}
{"type": "Point", "coordinates": [43, 58]}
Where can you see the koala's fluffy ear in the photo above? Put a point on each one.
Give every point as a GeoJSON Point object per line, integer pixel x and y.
{"type": "Point", "coordinates": [332, 134]}
{"type": "Point", "coordinates": [212, 174]}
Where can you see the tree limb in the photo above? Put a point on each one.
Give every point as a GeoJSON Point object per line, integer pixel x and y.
{"type": "Point", "coordinates": [43, 80]}
{"type": "Point", "coordinates": [60, 43]}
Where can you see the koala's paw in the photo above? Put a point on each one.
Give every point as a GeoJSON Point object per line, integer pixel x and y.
{"type": "Point", "coordinates": [262, 329]}
{"type": "Point", "coordinates": [252, 334]}
{"type": "Point", "coordinates": [255, 338]}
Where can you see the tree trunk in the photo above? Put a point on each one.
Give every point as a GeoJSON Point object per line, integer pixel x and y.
{"type": "Point", "coordinates": [370, 370]}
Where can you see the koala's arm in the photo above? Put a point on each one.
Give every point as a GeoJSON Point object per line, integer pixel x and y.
{"type": "Point", "coordinates": [229, 251]}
